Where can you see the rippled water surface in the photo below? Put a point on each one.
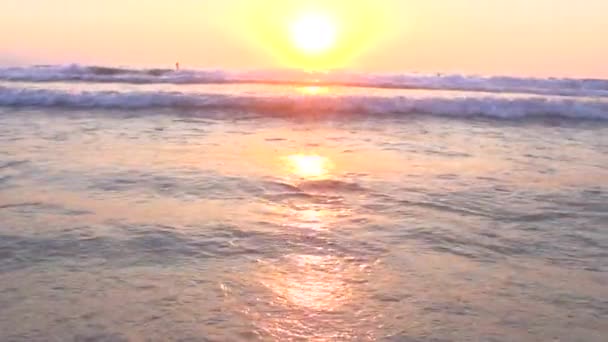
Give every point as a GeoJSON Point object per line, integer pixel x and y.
{"type": "Point", "coordinates": [207, 225]}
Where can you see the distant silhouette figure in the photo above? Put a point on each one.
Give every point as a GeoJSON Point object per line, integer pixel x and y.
{"type": "Point", "coordinates": [177, 66]}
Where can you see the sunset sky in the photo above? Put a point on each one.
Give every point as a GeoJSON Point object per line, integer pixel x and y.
{"type": "Point", "coordinates": [509, 37]}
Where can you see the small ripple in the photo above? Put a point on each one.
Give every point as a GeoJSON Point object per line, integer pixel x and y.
{"type": "Point", "coordinates": [143, 245]}
{"type": "Point", "coordinates": [5, 180]}
{"type": "Point", "coordinates": [280, 186]}
{"type": "Point", "coordinates": [13, 163]}
{"type": "Point", "coordinates": [37, 208]}
{"type": "Point", "coordinates": [330, 185]}
{"type": "Point", "coordinates": [18, 205]}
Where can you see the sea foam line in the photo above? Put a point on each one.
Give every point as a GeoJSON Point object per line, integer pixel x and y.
{"type": "Point", "coordinates": [495, 84]}
{"type": "Point", "coordinates": [459, 106]}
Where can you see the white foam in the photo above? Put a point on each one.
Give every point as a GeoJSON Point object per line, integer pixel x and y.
{"type": "Point", "coordinates": [546, 86]}
{"type": "Point", "coordinates": [463, 106]}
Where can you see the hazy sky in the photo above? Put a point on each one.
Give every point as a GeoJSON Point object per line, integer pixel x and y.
{"type": "Point", "coordinates": [521, 37]}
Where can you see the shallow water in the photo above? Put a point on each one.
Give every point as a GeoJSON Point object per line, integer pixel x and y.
{"type": "Point", "coordinates": [222, 225]}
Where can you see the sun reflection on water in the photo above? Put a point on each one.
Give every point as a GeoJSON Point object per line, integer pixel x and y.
{"type": "Point", "coordinates": [309, 282]}
{"type": "Point", "coordinates": [305, 292]}
{"type": "Point", "coordinates": [313, 90]}
{"type": "Point", "coordinates": [303, 289]}
{"type": "Point", "coordinates": [309, 165]}
{"type": "Point", "coordinates": [311, 219]}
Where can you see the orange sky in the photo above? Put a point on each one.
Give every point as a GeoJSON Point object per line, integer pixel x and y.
{"type": "Point", "coordinates": [514, 37]}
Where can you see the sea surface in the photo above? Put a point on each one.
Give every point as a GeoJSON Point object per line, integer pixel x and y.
{"type": "Point", "coordinates": [159, 205]}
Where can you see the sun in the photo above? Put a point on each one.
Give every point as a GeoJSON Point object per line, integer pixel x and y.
{"type": "Point", "coordinates": [313, 33]}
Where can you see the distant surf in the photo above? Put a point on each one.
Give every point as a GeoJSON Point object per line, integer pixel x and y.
{"type": "Point", "coordinates": [498, 84]}
{"type": "Point", "coordinates": [80, 87]}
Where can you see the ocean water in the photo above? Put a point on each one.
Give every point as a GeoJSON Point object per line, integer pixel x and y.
{"type": "Point", "coordinates": [152, 205]}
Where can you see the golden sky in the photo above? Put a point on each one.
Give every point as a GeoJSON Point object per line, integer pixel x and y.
{"type": "Point", "coordinates": [512, 37]}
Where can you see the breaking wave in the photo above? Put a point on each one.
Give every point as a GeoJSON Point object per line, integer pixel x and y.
{"type": "Point", "coordinates": [459, 106]}
{"type": "Point", "coordinates": [496, 84]}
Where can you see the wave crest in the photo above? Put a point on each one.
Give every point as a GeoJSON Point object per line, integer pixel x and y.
{"type": "Point", "coordinates": [464, 106]}
{"type": "Point", "coordinates": [494, 84]}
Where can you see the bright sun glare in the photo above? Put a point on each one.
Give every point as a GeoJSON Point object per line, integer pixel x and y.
{"type": "Point", "coordinates": [313, 33]}
{"type": "Point", "coordinates": [309, 166]}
